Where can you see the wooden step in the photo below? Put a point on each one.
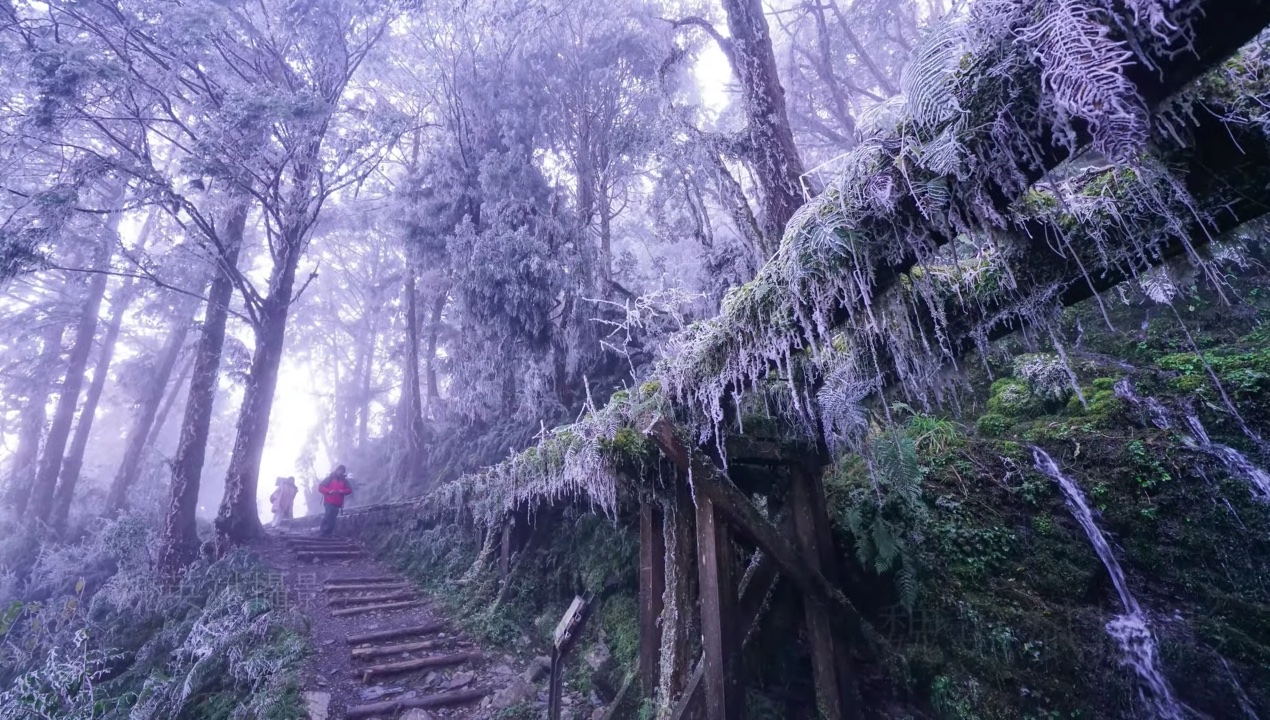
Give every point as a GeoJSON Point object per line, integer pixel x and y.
{"type": "Point", "coordinates": [329, 554]}
{"type": "Point", "coordinates": [426, 629]}
{"type": "Point", "coordinates": [362, 579]}
{"type": "Point", "coordinates": [389, 707]}
{"type": "Point", "coordinates": [387, 597]}
{"type": "Point", "coordinates": [359, 609]}
{"type": "Point", "coordinates": [366, 587]}
{"type": "Point", "coordinates": [435, 661]}
{"type": "Point", "coordinates": [368, 652]}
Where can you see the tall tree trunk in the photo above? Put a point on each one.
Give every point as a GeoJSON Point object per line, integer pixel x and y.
{"type": "Point", "coordinates": [363, 400]}
{"type": "Point", "coordinates": [34, 415]}
{"type": "Point", "coordinates": [770, 141]}
{"type": "Point", "coordinates": [406, 465]}
{"type": "Point", "coordinates": [161, 420]}
{"type": "Point", "coordinates": [73, 465]}
{"type": "Point", "coordinates": [126, 476]}
{"type": "Point", "coordinates": [238, 519]}
{"type": "Point", "coordinates": [179, 544]}
{"type": "Point", "coordinates": [343, 426]}
{"type": "Point", "coordinates": [59, 432]}
{"type": "Point", "coordinates": [430, 358]}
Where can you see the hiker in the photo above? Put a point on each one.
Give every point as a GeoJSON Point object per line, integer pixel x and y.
{"type": "Point", "coordinates": [283, 500]}
{"type": "Point", "coordinates": [333, 490]}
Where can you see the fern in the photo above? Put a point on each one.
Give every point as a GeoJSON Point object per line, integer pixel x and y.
{"type": "Point", "coordinates": [886, 518]}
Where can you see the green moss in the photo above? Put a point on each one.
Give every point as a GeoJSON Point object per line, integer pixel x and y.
{"type": "Point", "coordinates": [1011, 397]}
{"type": "Point", "coordinates": [619, 621]}
{"type": "Point", "coordinates": [628, 448]}
{"type": "Point", "coordinates": [992, 425]}
{"type": "Point", "coordinates": [1242, 374]}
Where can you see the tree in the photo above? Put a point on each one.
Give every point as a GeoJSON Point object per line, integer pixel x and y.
{"type": "Point", "coordinates": [179, 542]}
{"type": "Point", "coordinates": [33, 418]}
{"type": "Point", "coordinates": [68, 398]}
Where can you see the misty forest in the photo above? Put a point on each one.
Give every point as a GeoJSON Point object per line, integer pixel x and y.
{"type": "Point", "coordinates": [635, 359]}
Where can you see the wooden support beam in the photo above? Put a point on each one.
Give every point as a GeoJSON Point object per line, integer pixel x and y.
{"type": "Point", "coordinates": [679, 623]}
{"type": "Point", "coordinates": [362, 587]}
{"type": "Point", "coordinates": [729, 500]}
{"type": "Point", "coordinates": [362, 600]}
{"type": "Point", "coordinates": [397, 649]}
{"type": "Point", "coordinates": [359, 609]}
{"type": "Point", "coordinates": [329, 554]}
{"type": "Point", "coordinates": [391, 707]}
{"type": "Point", "coordinates": [721, 648]}
{"type": "Point", "coordinates": [505, 551]}
{"type": "Point", "coordinates": [426, 629]}
{"type": "Point", "coordinates": [370, 671]}
{"type": "Point", "coordinates": [760, 577]}
{"type": "Point", "coordinates": [836, 695]}
{"type": "Point", "coordinates": [361, 579]}
{"type": "Point", "coordinates": [652, 585]}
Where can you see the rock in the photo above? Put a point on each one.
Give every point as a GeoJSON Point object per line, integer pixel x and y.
{"type": "Point", "coordinates": [538, 669]}
{"type": "Point", "coordinates": [598, 657]}
{"type": "Point", "coordinates": [460, 680]}
{"type": "Point", "coordinates": [377, 691]}
{"type": "Point", "coordinates": [417, 714]}
{"type": "Point", "coordinates": [606, 677]}
{"type": "Point", "coordinates": [518, 691]}
{"type": "Point", "coordinates": [599, 713]}
{"type": "Point", "coordinates": [317, 704]}
{"type": "Point", "coordinates": [504, 670]}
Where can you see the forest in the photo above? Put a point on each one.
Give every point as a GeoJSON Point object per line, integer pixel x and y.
{"type": "Point", "coordinates": [824, 359]}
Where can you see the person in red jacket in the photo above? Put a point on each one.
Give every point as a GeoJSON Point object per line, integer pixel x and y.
{"type": "Point", "coordinates": [334, 488]}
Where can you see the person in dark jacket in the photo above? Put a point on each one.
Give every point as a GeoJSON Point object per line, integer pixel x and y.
{"type": "Point", "coordinates": [334, 489]}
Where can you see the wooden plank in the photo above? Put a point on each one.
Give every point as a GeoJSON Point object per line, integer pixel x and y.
{"type": "Point", "coordinates": [835, 694]}
{"type": "Point", "coordinates": [370, 671]}
{"type": "Point", "coordinates": [742, 513]}
{"type": "Point", "coordinates": [679, 624]}
{"type": "Point", "coordinates": [760, 577]}
{"type": "Point", "coordinates": [396, 649]}
{"type": "Point", "coordinates": [361, 600]}
{"type": "Point", "coordinates": [363, 587]}
{"type": "Point", "coordinates": [361, 579]}
{"type": "Point", "coordinates": [652, 585]}
{"type": "Point", "coordinates": [720, 644]}
{"type": "Point", "coordinates": [390, 707]}
{"type": "Point", "coordinates": [357, 610]}
{"type": "Point", "coordinates": [505, 551]}
{"type": "Point", "coordinates": [426, 629]}
{"type": "Point", "coordinates": [329, 554]}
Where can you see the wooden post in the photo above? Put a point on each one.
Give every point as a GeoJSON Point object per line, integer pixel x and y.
{"type": "Point", "coordinates": [758, 582]}
{"type": "Point", "coordinates": [728, 499]}
{"type": "Point", "coordinates": [720, 642]}
{"type": "Point", "coordinates": [835, 693]}
{"type": "Point", "coordinates": [678, 619]}
{"type": "Point", "coordinates": [652, 585]}
{"type": "Point", "coordinates": [505, 552]}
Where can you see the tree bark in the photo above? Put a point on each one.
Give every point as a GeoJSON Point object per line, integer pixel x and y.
{"type": "Point", "coordinates": [770, 141]}
{"type": "Point", "coordinates": [73, 465]}
{"type": "Point", "coordinates": [238, 519]}
{"type": "Point", "coordinates": [55, 447]}
{"type": "Point", "coordinates": [179, 544]}
{"type": "Point", "coordinates": [161, 421]}
{"type": "Point", "coordinates": [367, 374]}
{"type": "Point", "coordinates": [139, 435]}
{"type": "Point", "coordinates": [410, 407]}
{"type": "Point", "coordinates": [430, 359]}
{"type": "Point", "coordinates": [34, 416]}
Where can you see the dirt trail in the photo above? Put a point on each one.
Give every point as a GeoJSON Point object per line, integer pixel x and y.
{"type": "Point", "coordinates": [383, 650]}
